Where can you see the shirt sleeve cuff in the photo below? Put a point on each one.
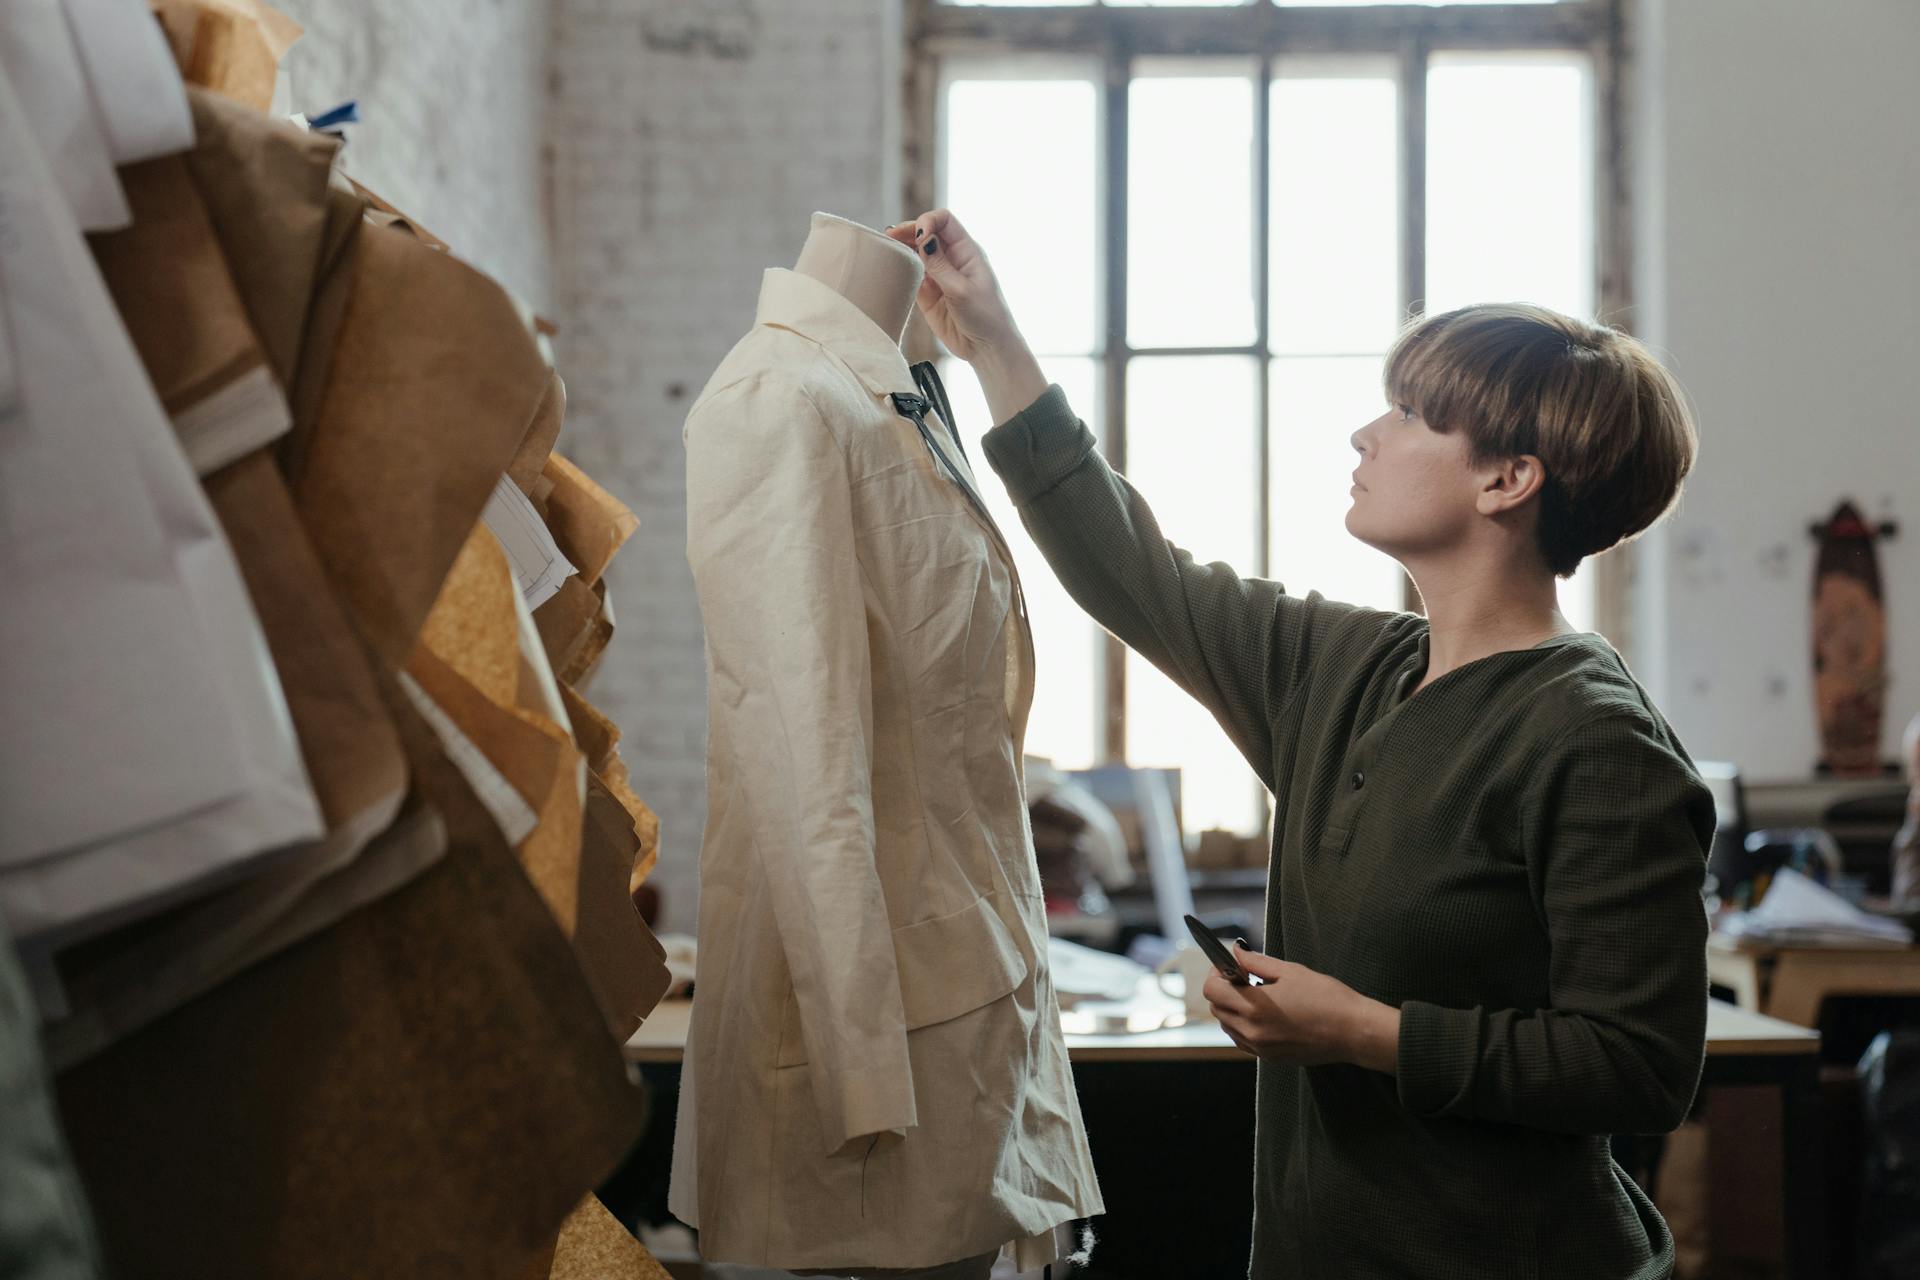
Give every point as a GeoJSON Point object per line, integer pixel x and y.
{"type": "Point", "coordinates": [860, 1103]}
{"type": "Point", "coordinates": [1439, 1056]}
{"type": "Point", "coordinates": [1035, 449]}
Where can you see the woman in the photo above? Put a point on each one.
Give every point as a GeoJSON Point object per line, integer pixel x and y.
{"type": "Point", "coordinates": [1484, 915]}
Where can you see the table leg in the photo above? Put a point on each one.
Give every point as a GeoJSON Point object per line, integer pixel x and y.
{"type": "Point", "coordinates": [1803, 1137]}
{"type": "Point", "coordinates": [1739, 971]}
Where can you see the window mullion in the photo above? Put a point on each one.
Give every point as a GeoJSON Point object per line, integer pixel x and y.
{"type": "Point", "coordinates": [1413, 174]}
{"type": "Point", "coordinates": [1414, 52]}
{"type": "Point", "coordinates": [1246, 349]}
{"type": "Point", "coordinates": [1614, 260]}
{"type": "Point", "coordinates": [1119, 70]}
{"type": "Point", "coordinates": [1263, 292]}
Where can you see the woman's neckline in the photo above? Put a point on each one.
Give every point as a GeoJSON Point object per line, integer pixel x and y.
{"type": "Point", "coordinates": [1409, 689]}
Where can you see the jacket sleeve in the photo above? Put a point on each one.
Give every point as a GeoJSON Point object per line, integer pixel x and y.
{"type": "Point", "coordinates": [770, 540]}
{"type": "Point", "coordinates": [1617, 825]}
{"type": "Point", "coordinates": [1241, 646]}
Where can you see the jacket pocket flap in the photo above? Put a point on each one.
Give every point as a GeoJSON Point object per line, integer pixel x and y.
{"type": "Point", "coordinates": [954, 963]}
{"type": "Point", "coordinates": [948, 966]}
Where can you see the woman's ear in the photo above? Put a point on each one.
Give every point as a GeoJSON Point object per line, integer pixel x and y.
{"type": "Point", "coordinates": [1507, 484]}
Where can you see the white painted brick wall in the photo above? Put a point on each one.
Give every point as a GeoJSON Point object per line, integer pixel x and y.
{"type": "Point", "coordinates": [690, 141]}
{"type": "Point", "coordinates": [453, 101]}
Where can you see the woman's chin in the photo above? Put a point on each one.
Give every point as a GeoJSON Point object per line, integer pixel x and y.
{"type": "Point", "coordinates": [1361, 530]}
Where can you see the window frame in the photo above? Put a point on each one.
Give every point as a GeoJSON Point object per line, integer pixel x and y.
{"type": "Point", "coordinates": [1115, 39]}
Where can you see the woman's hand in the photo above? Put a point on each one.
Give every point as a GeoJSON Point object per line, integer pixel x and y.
{"type": "Point", "coordinates": [1303, 1017]}
{"type": "Point", "coordinates": [960, 297]}
{"type": "Point", "coordinates": [964, 307]}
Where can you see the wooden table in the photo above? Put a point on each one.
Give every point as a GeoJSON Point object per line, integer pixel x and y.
{"type": "Point", "coordinates": [1791, 982]}
{"type": "Point", "coordinates": [1154, 1083]}
{"type": "Point", "coordinates": [1154, 1028]}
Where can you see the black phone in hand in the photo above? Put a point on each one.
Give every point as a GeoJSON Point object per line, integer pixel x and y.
{"type": "Point", "coordinates": [1220, 953]}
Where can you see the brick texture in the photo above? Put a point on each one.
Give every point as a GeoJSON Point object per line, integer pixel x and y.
{"type": "Point", "coordinates": [453, 107]}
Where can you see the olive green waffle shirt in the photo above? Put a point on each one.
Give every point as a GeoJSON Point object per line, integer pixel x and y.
{"type": "Point", "coordinates": [1512, 857]}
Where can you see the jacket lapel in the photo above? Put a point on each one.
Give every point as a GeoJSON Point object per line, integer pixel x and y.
{"type": "Point", "coordinates": [950, 459]}
{"type": "Point", "coordinates": [949, 455]}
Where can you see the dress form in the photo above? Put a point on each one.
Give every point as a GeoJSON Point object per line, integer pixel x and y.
{"type": "Point", "coordinates": [877, 274]}
{"type": "Point", "coordinates": [820, 864]}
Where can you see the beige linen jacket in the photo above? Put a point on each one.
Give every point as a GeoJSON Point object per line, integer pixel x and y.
{"type": "Point", "coordinates": [875, 1072]}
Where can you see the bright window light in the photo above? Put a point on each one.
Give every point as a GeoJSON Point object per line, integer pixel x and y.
{"type": "Point", "coordinates": [1012, 128]}
{"type": "Point", "coordinates": [1510, 197]}
{"type": "Point", "coordinates": [1335, 225]}
{"type": "Point", "coordinates": [1509, 215]}
{"type": "Point", "coordinates": [1190, 207]}
{"type": "Point", "coordinates": [1334, 126]}
{"type": "Point", "coordinates": [1318, 402]}
{"type": "Point", "coordinates": [1020, 175]}
{"type": "Point", "coordinates": [1065, 725]}
{"type": "Point", "coordinates": [1191, 451]}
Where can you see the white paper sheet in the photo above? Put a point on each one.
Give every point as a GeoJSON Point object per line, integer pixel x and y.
{"type": "Point", "coordinates": [247, 414]}
{"type": "Point", "coordinates": [146, 751]}
{"type": "Point", "coordinates": [100, 656]}
{"type": "Point", "coordinates": [538, 565]}
{"type": "Point", "coordinates": [533, 651]}
{"type": "Point", "coordinates": [37, 50]}
{"type": "Point", "coordinates": [135, 85]}
{"type": "Point", "coordinates": [510, 810]}
{"type": "Point", "coordinates": [1799, 911]}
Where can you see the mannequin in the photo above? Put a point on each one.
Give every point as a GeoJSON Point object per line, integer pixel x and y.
{"type": "Point", "coordinates": [880, 276]}
{"type": "Point", "coordinates": [875, 1078]}
{"type": "Point", "coordinates": [876, 274]}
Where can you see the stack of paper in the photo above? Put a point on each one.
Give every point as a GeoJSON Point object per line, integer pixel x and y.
{"type": "Point", "coordinates": [1798, 912]}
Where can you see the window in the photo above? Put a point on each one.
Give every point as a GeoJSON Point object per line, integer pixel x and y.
{"type": "Point", "coordinates": [1016, 127]}
{"type": "Point", "coordinates": [1211, 221]}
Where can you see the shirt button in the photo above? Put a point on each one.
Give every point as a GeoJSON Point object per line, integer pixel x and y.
{"type": "Point", "coordinates": [1359, 779]}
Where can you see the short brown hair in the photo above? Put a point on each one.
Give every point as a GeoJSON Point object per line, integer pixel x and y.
{"type": "Point", "coordinates": [1609, 424]}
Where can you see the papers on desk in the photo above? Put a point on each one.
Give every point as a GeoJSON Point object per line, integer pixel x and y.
{"type": "Point", "coordinates": [1081, 974]}
{"type": "Point", "coordinates": [1798, 912]}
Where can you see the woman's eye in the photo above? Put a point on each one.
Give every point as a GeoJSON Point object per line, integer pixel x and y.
{"type": "Point", "coordinates": [1406, 412]}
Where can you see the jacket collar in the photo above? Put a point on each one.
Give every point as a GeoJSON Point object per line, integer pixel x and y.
{"type": "Point", "coordinates": [790, 300]}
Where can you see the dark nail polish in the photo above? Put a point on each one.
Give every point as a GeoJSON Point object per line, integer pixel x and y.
{"type": "Point", "coordinates": [932, 245]}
